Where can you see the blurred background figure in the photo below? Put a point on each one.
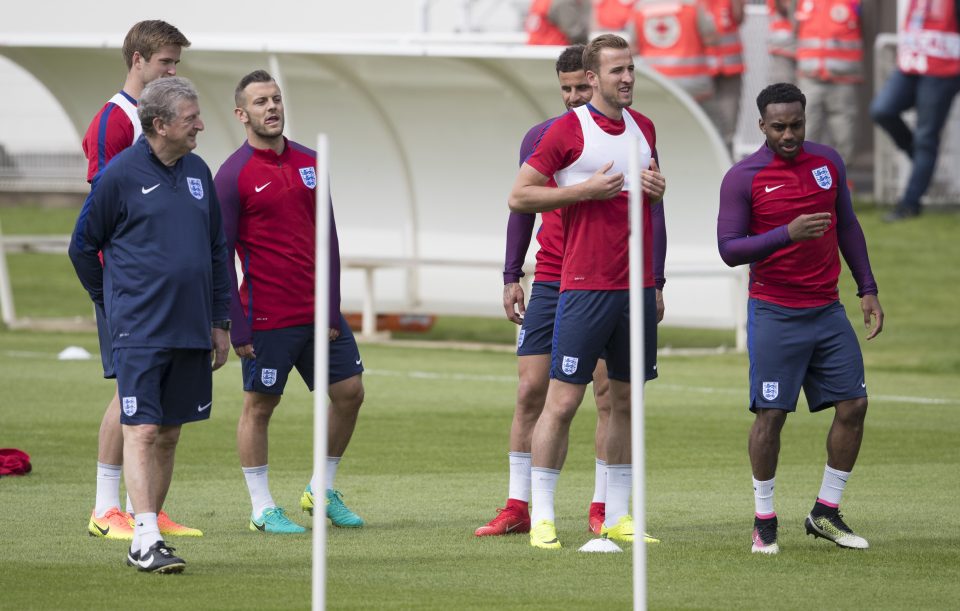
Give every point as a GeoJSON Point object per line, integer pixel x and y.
{"type": "Point", "coordinates": [830, 70]}
{"type": "Point", "coordinates": [725, 56]}
{"type": "Point", "coordinates": [558, 22]}
{"type": "Point", "coordinates": [782, 42]}
{"type": "Point", "coordinates": [927, 78]}
{"type": "Point", "coordinates": [671, 37]}
{"type": "Point", "coordinates": [613, 15]}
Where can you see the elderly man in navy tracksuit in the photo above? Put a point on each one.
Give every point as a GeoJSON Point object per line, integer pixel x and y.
{"type": "Point", "coordinates": [164, 286]}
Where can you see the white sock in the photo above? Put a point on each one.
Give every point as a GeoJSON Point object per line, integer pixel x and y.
{"type": "Point", "coordinates": [135, 544]}
{"type": "Point", "coordinates": [331, 472]}
{"type": "Point", "coordinates": [129, 505]}
{"type": "Point", "coordinates": [831, 490]}
{"type": "Point", "coordinates": [619, 485]}
{"type": "Point", "coordinates": [258, 484]}
{"type": "Point", "coordinates": [763, 498]}
{"type": "Point", "coordinates": [543, 485]}
{"type": "Point", "coordinates": [519, 476]}
{"type": "Point", "coordinates": [600, 482]}
{"type": "Point", "coordinates": [108, 488]}
{"type": "Point", "coordinates": [147, 530]}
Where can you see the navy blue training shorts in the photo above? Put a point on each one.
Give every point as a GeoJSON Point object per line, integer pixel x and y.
{"type": "Point", "coordinates": [106, 342]}
{"type": "Point", "coordinates": [591, 322]}
{"type": "Point", "coordinates": [278, 351]}
{"type": "Point", "coordinates": [166, 386]}
{"type": "Point", "coordinates": [813, 348]}
{"type": "Point", "coordinates": [536, 333]}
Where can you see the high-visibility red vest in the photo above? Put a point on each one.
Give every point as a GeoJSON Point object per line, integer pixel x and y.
{"type": "Point", "coordinates": [613, 14]}
{"type": "Point", "coordinates": [540, 29]}
{"type": "Point", "coordinates": [829, 43]}
{"type": "Point", "coordinates": [929, 43]}
{"type": "Point", "coordinates": [780, 38]}
{"type": "Point", "coordinates": [669, 41]}
{"type": "Point", "coordinates": [726, 53]}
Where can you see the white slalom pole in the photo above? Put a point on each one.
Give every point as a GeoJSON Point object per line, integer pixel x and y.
{"type": "Point", "coordinates": [637, 371]}
{"type": "Point", "coordinates": [321, 358]}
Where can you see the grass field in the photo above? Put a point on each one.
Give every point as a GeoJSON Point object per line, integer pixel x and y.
{"type": "Point", "coordinates": [428, 464]}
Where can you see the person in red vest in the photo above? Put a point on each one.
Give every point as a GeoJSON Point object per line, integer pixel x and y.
{"type": "Point", "coordinates": [781, 42]}
{"type": "Point", "coordinates": [725, 54]}
{"type": "Point", "coordinates": [830, 69]}
{"type": "Point", "coordinates": [927, 78]}
{"type": "Point", "coordinates": [613, 14]}
{"type": "Point", "coordinates": [670, 38]}
{"type": "Point", "coordinates": [558, 22]}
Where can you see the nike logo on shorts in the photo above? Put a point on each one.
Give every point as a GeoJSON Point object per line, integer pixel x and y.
{"type": "Point", "coordinates": [203, 408]}
{"type": "Point", "coordinates": [772, 189]}
{"type": "Point", "coordinates": [262, 187]}
{"type": "Point", "coordinates": [145, 190]}
{"type": "Point", "coordinates": [359, 361]}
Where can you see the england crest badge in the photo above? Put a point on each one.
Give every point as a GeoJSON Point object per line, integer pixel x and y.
{"type": "Point", "coordinates": [771, 390]}
{"type": "Point", "coordinates": [268, 377]}
{"type": "Point", "coordinates": [569, 365]}
{"type": "Point", "coordinates": [129, 405]}
{"type": "Point", "coordinates": [520, 337]}
{"type": "Point", "coordinates": [822, 176]}
{"type": "Point", "coordinates": [309, 176]}
{"type": "Point", "coordinates": [196, 187]}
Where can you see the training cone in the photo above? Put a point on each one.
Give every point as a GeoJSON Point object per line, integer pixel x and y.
{"type": "Point", "coordinates": [74, 353]}
{"type": "Point", "coordinates": [601, 545]}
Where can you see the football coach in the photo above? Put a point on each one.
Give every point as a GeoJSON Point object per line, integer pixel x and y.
{"type": "Point", "coordinates": [163, 283]}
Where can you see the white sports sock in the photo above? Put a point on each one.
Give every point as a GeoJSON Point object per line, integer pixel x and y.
{"type": "Point", "coordinates": [619, 485]}
{"type": "Point", "coordinates": [147, 530]}
{"type": "Point", "coordinates": [331, 472]}
{"type": "Point", "coordinates": [831, 490]}
{"type": "Point", "coordinates": [258, 484]}
{"type": "Point", "coordinates": [763, 498]}
{"type": "Point", "coordinates": [543, 486]}
{"type": "Point", "coordinates": [108, 488]}
{"type": "Point", "coordinates": [600, 482]}
{"type": "Point", "coordinates": [129, 504]}
{"type": "Point", "coordinates": [520, 476]}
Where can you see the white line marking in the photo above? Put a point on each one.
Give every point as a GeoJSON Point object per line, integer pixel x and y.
{"type": "Point", "coordinates": [472, 377]}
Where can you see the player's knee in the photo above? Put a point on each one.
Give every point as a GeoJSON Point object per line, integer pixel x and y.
{"type": "Point", "coordinates": [530, 395]}
{"type": "Point", "coordinates": [852, 412]}
{"type": "Point", "coordinates": [168, 437]}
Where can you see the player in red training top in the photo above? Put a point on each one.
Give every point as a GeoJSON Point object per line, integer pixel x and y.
{"type": "Point", "coordinates": [586, 152]}
{"type": "Point", "coordinates": [151, 50]}
{"type": "Point", "coordinates": [537, 320]}
{"type": "Point", "coordinates": [786, 211]}
{"type": "Point", "coordinates": [267, 192]}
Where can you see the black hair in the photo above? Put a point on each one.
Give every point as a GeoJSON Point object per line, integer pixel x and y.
{"type": "Point", "coordinates": [571, 60]}
{"type": "Point", "coordinates": [780, 93]}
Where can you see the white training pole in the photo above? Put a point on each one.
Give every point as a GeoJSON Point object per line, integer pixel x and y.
{"type": "Point", "coordinates": [637, 371]}
{"type": "Point", "coordinates": [321, 358]}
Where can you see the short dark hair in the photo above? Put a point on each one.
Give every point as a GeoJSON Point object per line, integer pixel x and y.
{"type": "Point", "coordinates": [257, 76]}
{"type": "Point", "coordinates": [780, 93]}
{"type": "Point", "coordinates": [591, 53]}
{"type": "Point", "coordinates": [571, 60]}
{"type": "Point", "coordinates": [150, 36]}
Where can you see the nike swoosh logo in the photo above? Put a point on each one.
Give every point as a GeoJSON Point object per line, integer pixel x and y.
{"type": "Point", "coordinates": [551, 541]}
{"type": "Point", "coordinates": [262, 187]}
{"type": "Point", "coordinates": [146, 190]}
{"type": "Point", "coordinates": [260, 526]}
{"type": "Point", "coordinates": [145, 562]}
{"type": "Point", "coordinates": [512, 527]}
{"type": "Point", "coordinates": [359, 361]}
{"type": "Point", "coordinates": [203, 408]}
{"type": "Point", "coordinates": [772, 189]}
{"type": "Point", "coordinates": [102, 531]}
{"type": "Point", "coordinates": [863, 385]}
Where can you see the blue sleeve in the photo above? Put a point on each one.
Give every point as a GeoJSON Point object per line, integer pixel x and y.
{"type": "Point", "coordinates": [95, 225]}
{"type": "Point", "coordinates": [850, 238]}
{"type": "Point", "coordinates": [228, 195]}
{"type": "Point", "coordinates": [219, 258]}
{"type": "Point", "coordinates": [659, 220]}
{"type": "Point", "coordinates": [734, 241]}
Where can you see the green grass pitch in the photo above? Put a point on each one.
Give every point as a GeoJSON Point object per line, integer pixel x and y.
{"type": "Point", "coordinates": [428, 465]}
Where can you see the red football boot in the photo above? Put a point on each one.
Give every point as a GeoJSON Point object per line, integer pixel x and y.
{"type": "Point", "coordinates": [597, 514]}
{"type": "Point", "coordinates": [512, 519]}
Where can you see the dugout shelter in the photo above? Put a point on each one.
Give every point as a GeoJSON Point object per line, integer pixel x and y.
{"type": "Point", "coordinates": [424, 141]}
